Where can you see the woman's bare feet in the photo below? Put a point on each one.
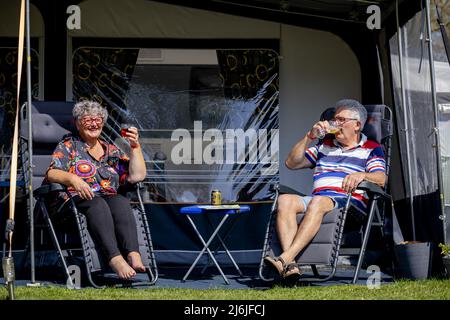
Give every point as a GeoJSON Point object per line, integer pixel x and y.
{"type": "Point", "coordinates": [121, 267]}
{"type": "Point", "coordinates": [134, 260]}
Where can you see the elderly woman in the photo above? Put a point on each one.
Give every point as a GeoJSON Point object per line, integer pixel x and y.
{"type": "Point", "coordinates": [93, 169]}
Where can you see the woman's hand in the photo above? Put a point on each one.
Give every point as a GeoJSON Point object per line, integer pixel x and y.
{"type": "Point", "coordinates": [81, 187]}
{"type": "Point", "coordinates": [132, 136]}
{"type": "Point", "coordinates": [137, 169]}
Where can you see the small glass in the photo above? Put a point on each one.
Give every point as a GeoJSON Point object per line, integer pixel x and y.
{"type": "Point", "coordinates": [124, 129]}
{"type": "Point", "coordinates": [332, 129]}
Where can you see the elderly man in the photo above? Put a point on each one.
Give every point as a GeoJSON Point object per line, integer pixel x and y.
{"type": "Point", "coordinates": [340, 164]}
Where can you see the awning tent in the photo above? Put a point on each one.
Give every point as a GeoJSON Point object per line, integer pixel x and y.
{"type": "Point", "coordinates": [326, 52]}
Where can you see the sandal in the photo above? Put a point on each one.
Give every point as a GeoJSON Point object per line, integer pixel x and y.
{"type": "Point", "coordinates": [274, 266]}
{"type": "Point", "coordinates": [291, 275]}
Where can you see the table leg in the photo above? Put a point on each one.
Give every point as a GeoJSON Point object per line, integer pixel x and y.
{"type": "Point", "coordinates": [206, 248]}
{"type": "Point", "coordinates": [225, 247]}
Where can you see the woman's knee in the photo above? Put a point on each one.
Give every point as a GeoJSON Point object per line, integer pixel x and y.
{"type": "Point", "coordinates": [118, 201]}
{"type": "Point", "coordinates": [120, 206]}
{"type": "Point", "coordinates": [96, 206]}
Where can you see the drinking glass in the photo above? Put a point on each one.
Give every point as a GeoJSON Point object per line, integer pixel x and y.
{"type": "Point", "coordinates": [332, 129]}
{"type": "Point", "coordinates": [124, 129]}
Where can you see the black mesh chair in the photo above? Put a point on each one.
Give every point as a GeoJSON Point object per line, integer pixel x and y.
{"type": "Point", "coordinates": [326, 246]}
{"type": "Point", "coordinates": [51, 121]}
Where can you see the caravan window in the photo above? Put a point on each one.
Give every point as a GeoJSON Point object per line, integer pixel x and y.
{"type": "Point", "coordinates": [208, 118]}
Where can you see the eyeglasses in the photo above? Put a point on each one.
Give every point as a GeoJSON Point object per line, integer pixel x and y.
{"type": "Point", "coordinates": [342, 120]}
{"type": "Point", "coordinates": [89, 121]}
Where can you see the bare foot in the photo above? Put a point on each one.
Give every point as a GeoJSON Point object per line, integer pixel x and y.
{"type": "Point", "coordinates": [121, 267]}
{"type": "Point", "coordinates": [134, 260]}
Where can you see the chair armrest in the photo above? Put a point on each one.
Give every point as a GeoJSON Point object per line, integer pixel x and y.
{"type": "Point", "coordinates": [288, 190]}
{"type": "Point", "coordinates": [282, 189]}
{"type": "Point", "coordinates": [48, 188]}
{"type": "Point", "coordinates": [130, 187]}
{"type": "Point", "coordinates": [372, 188]}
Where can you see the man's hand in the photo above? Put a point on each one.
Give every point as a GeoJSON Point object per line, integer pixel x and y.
{"type": "Point", "coordinates": [82, 188]}
{"type": "Point", "coordinates": [133, 137]}
{"type": "Point", "coordinates": [352, 180]}
{"type": "Point", "coordinates": [321, 126]}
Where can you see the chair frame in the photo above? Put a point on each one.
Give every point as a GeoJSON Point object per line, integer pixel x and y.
{"type": "Point", "coordinates": [45, 190]}
{"type": "Point", "coordinates": [373, 218]}
{"type": "Point", "coordinates": [39, 195]}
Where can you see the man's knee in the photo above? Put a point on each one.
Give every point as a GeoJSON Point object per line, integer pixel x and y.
{"type": "Point", "coordinates": [320, 205]}
{"type": "Point", "coordinates": [289, 202]}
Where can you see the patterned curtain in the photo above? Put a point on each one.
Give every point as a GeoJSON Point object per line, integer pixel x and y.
{"type": "Point", "coordinates": [103, 75]}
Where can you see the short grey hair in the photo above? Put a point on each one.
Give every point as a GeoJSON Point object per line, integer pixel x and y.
{"type": "Point", "coordinates": [355, 107]}
{"type": "Point", "coordinates": [89, 108]}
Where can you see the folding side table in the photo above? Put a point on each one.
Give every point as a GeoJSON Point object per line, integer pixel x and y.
{"type": "Point", "coordinates": [226, 210]}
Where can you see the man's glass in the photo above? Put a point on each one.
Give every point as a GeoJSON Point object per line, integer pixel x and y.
{"type": "Point", "coordinates": [342, 120]}
{"type": "Point", "coordinates": [87, 121]}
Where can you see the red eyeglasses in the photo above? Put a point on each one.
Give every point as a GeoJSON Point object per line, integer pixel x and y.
{"type": "Point", "coordinates": [88, 121]}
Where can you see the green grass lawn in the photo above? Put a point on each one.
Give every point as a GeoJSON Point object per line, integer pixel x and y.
{"type": "Point", "coordinates": [400, 290]}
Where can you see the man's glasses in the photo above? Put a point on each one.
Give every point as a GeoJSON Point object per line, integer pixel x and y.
{"type": "Point", "coordinates": [342, 120]}
{"type": "Point", "coordinates": [90, 121]}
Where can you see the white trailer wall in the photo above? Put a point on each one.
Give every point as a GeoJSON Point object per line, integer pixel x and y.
{"type": "Point", "coordinates": [317, 69]}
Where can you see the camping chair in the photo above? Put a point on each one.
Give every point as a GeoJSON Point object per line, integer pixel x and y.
{"type": "Point", "coordinates": [325, 247]}
{"type": "Point", "coordinates": [47, 132]}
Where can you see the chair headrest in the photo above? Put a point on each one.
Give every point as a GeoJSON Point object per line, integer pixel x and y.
{"type": "Point", "coordinates": [379, 122]}
{"type": "Point", "coordinates": [46, 129]}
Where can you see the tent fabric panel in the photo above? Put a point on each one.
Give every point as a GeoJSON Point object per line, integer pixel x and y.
{"type": "Point", "coordinates": [139, 18]}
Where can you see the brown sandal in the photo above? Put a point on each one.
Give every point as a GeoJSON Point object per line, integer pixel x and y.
{"type": "Point", "coordinates": [273, 265]}
{"type": "Point", "coordinates": [290, 274]}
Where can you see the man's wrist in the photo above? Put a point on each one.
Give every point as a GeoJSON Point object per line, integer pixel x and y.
{"type": "Point", "coordinates": [310, 136]}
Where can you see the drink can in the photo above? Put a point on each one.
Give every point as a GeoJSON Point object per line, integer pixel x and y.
{"type": "Point", "coordinates": [216, 197]}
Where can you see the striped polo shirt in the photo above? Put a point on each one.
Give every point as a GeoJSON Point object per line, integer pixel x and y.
{"type": "Point", "coordinates": [331, 164]}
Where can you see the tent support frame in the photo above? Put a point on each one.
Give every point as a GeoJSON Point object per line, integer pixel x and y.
{"type": "Point", "coordinates": [436, 117]}
{"type": "Point", "coordinates": [405, 121]}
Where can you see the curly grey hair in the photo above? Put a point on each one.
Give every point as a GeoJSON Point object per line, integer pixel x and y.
{"type": "Point", "coordinates": [358, 110]}
{"type": "Point", "coordinates": [89, 108]}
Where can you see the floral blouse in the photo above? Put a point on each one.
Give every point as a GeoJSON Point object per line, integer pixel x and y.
{"type": "Point", "coordinates": [103, 176]}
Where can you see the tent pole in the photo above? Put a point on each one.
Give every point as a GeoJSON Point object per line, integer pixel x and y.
{"type": "Point", "coordinates": [436, 117]}
{"type": "Point", "coordinates": [30, 145]}
{"type": "Point", "coordinates": [406, 121]}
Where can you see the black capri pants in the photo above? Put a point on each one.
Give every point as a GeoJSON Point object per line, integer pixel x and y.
{"type": "Point", "coordinates": [111, 223]}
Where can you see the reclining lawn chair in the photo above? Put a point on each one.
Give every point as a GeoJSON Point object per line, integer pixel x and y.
{"type": "Point", "coordinates": [325, 247]}
{"type": "Point", "coordinates": [47, 132]}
